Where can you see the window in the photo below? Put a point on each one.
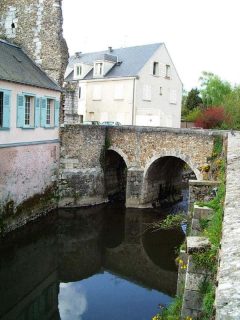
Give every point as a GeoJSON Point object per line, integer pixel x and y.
{"type": "Point", "coordinates": [118, 93]}
{"type": "Point", "coordinates": [50, 113]}
{"type": "Point", "coordinates": [155, 68]}
{"type": "Point", "coordinates": [98, 70]}
{"type": "Point", "coordinates": [29, 111]}
{"type": "Point", "coordinates": [79, 70]}
{"type": "Point", "coordinates": [97, 92]}
{"type": "Point", "coordinates": [173, 96]}
{"type": "Point", "coordinates": [147, 94]}
{"type": "Point", "coordinates": [160, 91]}
{"type": "Point", "coordinates": [91, 116]}
{"type": "Point", "coordinates": [168, 71]}
{"type": "Point", "coordinates": [1, 109]}
{"type": "Point", "coordinates": [79, 92]}
{"type": "Point", "coordinates": [33, 112]}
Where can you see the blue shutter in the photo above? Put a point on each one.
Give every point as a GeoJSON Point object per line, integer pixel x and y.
{"type": "Point", "coordinates": [37, 112]}
{"type": "Point", "coordinates": [43, 112]}
{"type": "Point", "coordinates": [6, 108]}
{"type": "Point", "coordinates": [56, 115]}
{"type": "Point", "coordinates": [20, 111]}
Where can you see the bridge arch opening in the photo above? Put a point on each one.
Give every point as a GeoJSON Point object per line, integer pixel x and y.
{"type": "Point", "coordinates": [115, 176]}
{"type": "Point", "coordinates": [165, 179]}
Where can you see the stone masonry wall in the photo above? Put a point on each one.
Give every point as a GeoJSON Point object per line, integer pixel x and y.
{"type": "Point", "coordinates": [36, 26]}
{"type": "Point", "coordinates": [70, 110]}
{"type": "Point", "coordinates": [228, 291]}
{"type": "Point", "coordinates": [81, 172]}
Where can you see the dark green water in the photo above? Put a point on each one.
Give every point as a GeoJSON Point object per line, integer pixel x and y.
{"type": "Point", "coordinates": [88, 264]}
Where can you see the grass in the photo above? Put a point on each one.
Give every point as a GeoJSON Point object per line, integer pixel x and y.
{"type": "Point", "coordinates": [172, 312]}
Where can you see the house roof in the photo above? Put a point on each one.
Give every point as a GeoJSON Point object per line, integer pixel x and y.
{"type": "Point", "coordinates": [130, 61]}
{"type": "Point", "coordinates": [16, 66]}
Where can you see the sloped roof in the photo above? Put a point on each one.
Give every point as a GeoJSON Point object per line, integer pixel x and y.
{"type": "Point", "coordinates": [131, 60]}
{"type": "Point", "coordinates": [16, 66]}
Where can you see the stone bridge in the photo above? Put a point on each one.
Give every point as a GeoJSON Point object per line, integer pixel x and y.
{"type": "Point", "coordinates": [98, 161]}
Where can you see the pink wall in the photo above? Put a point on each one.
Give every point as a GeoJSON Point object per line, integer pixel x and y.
{"type": "Point", "coordinates": [27, 170]}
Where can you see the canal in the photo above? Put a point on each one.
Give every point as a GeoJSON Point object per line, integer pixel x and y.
{"type": "Point", "coordinates": [99, 263]}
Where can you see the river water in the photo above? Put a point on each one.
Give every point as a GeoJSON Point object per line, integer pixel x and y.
{"type": "Point", "coordinates": [99, 263]}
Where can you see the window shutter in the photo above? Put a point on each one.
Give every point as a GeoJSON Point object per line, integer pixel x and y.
{"type": "Point", "coordinates": [147, 92]}
{"type": "Point", "coordinates": [20, 111]}
{"type": "Point", "coordinates": [173, 96]}
{"type": "Point", "coordinates": [97, 94]}
{"type": "Point", "coordinates": [37, 112]}
{"type": "Point", "coordinates": [6, 108]}
{"type": "Point", "coordinates": [162, 70]}
{"type": "Point", "coordinates": [43, 112]}
{"type": "Point", "coordinates": [56, 115]}
{"type": "Point", "coordinates": [118, 93]}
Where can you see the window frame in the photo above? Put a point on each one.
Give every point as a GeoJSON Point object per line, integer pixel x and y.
{"type": "Point", "coordinates": [167, 71]}
{"type": "Point", "coordinates": [52, 101]}
{"type": "Point", "coordinates": [98, 71]}
{"type": "Point", "coordinates": [155, 68]}
{"type": "Point", "coordinates": [32, 114]}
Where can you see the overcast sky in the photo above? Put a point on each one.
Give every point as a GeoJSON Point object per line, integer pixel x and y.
{"type": "Point", "coordinates": [199, 34]}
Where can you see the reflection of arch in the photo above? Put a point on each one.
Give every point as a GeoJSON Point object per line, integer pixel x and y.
{"type": "Point", "coordinates": [176, 154]}
{"type": "Point", "coordinates": [121, 153]}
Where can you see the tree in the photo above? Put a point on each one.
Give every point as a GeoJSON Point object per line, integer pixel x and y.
{"type": "Point", "coordinates": [193, 99]}
{"type": "Point", "coordinates": [214, 117]}
{"type": "Point", "coordinates": [232, 106]}
{"type": "Point", "coordinates": [213, 89]}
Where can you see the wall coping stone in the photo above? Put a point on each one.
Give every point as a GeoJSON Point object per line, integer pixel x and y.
{"type": "Point", "coordinates": [197, 244]}
{"type": "Point", "coordinates": [203, 183]}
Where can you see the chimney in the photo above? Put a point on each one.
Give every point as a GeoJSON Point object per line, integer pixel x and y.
{"type": "Point", "coordinates": [110, 49]}
{"type": "Point", "coordinates": [78, 54]}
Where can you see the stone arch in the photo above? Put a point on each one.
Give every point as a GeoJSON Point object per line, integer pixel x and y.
{"type": "Point", "coordinates": [175, 154]}
{"type": "Point", "coordinates": [122, 154]}
{"type": "Point", "coordinates": [115, 174]}
{"type": "Point", "coordinates": [168, 180]}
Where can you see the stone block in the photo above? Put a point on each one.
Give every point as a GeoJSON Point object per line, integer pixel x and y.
{"type": "Point", "coordinates": [195, 314]}
{"type": "Point", "coordinates": [202, 212]}
{"type": "Point", "coordinates": [194, 281]}
{"type": "Point", "coordinates": [197, 244]}
{"type": "Point", "coordinates": [192, 300]}
{"type": "Point", "coordinates": [195, 227]}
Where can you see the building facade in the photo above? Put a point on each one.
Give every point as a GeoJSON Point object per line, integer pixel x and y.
{"type": "Point", "coordinates": [134, 86]}
{"type": "Point", "coordinates": [29, 132]}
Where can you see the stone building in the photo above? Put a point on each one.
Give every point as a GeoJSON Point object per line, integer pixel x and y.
{"type": "Point", "coordinates": [133, 86]}
{"type": "Point", "coordinates": [33, 59]}
{"type": "Point", "coordinates": [36, 26]}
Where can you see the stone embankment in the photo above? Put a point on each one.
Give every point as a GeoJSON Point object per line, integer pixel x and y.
{"type": "Point", "coordinates": [228, 291]}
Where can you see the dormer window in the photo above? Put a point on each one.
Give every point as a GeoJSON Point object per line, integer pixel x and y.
{"type": "Point", "coordinates": [98, 69]}
{"type": "Point", "coordinates": [79, 70]}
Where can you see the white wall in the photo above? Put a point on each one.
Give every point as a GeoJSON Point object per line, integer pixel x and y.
{"type": "Point", "coordinates": [159, 111]}
{"type": "Point", "coordinates": [108, 100]}
{"type": "Point", "coordinates": [17, 135]}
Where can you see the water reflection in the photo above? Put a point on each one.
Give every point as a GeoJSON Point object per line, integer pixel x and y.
{"type": "Point", "coordinates": [87, 261]}
{"type": "Point", "coordinates": [72, 301]}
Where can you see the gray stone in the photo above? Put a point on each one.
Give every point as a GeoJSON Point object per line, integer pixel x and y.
{"type": "Point", "coordinates": [197, 244]}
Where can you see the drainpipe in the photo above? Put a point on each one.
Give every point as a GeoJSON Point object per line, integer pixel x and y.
{"type": "Point", "coordinates": [133, 101]}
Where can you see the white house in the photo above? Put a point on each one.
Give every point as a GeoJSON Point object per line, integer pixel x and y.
{"type": "Point", "coordinates": [135, 86]}
{"type": "Point", "coordinates": [29, 129]}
